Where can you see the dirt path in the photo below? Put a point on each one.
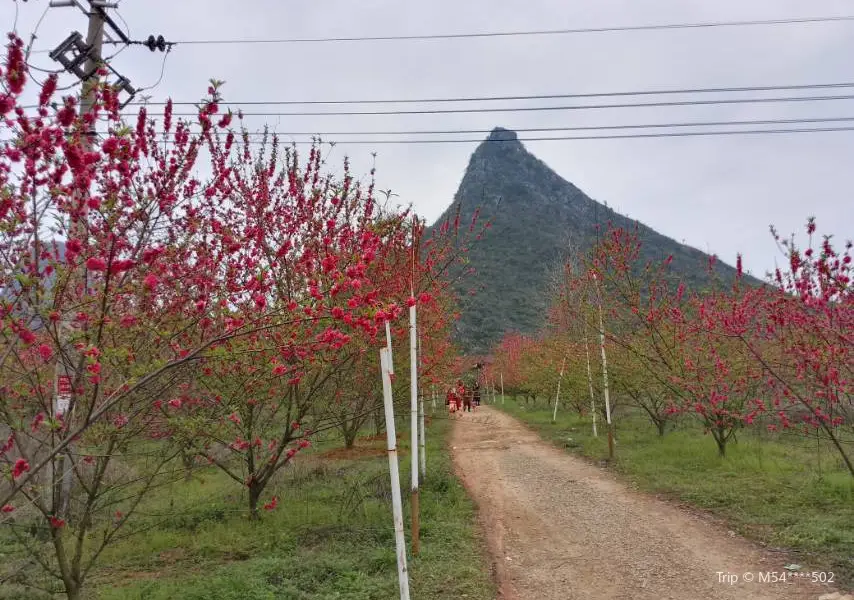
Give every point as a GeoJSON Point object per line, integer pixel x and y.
{"type": "Point", "coordinates": [560, 529]}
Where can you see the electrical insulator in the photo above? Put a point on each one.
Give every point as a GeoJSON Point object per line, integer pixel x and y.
{"type": "Point", "coordinates": [158, 43]}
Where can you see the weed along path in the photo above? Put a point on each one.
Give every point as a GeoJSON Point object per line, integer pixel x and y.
{"type": "Point", "coordinates": [559, 528]}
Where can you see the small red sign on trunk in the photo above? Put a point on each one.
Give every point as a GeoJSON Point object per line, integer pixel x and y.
{"type": "Point", "coordinates": [64, 385]}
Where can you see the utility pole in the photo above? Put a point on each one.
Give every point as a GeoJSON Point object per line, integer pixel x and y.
{"type": "Point", "coordinates": [65, 368]}
{"type": "Point", "coordinates": [83, 58]}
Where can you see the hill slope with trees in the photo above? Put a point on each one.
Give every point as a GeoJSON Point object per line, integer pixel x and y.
{"type": "Point", "coordinates": [535, 215]}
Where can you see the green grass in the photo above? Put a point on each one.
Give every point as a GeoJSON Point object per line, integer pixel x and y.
{"type": "Point", "coordinates": [330, 537]}
{"type": "Point", "coordinates": [768, 489]}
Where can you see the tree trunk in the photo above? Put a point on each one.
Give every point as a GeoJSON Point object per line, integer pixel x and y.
{"type": "Point", "coordinates": [73, 590]}
{"type": "Point", "coordinates": [839, 447]}
{"type": "Point", "coordinates": [720, 440]}
{"type": "Point", "coordinates": [350, 437]}
{"type": "Point", "coordinates": [69, 572]}
{"type": "Point", "coordinates": [188, 460]}
{"type": "Point", "coordinates": [254, 496]}
{"type": "Point", "coordinates": [661, 424]}
{"type": "Point", "coordinates": [379, 424]}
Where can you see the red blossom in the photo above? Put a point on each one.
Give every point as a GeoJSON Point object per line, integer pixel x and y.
{"type": "Point", "coordinates": [27, 336]}
{"type": "Point", "coordinates": [96, 264]}
{"type": "Point", "coordinates": [46, 352]}
{"type": "Point", "coordinates": [21, 466]}
{"type": "Point", "coordinates": [37, 421]}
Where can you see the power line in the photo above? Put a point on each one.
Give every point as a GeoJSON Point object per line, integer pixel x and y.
{"type": "Point", "coordinates": [587, 137]}
{"type": "Point", "coordinates": [437, 111]}
{"type": "Point", "coordinates": [537, 32]}
{"type": "Point", "coordinates": [568, 128]}
{"type": "Point", "coordinates": [767, 88]}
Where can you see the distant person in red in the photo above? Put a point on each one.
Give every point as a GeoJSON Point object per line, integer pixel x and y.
{"type": "Point", "coordinates": [452, 399]}
{"type": "Point", "coordinates": [456, 396]}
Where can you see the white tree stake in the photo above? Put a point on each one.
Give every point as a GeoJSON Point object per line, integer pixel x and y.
{"type": "Point", "coordinates": [413, 426]}
{"type": "Point", "coordinates": [396, 503]}
{"type": "Point", "coordinates": [502, 388]}
{"type": "Point", "coordinates": [413, 396]}
{"type": "Point", "coordinates": [557, 395]}
{"type": "Point", "coordinates": [604, 372]}
{"type": "Point", "coordinates": [422, 444]}
{"type": "Point", "coordinates": [422, 450]}
{"type": "Point", "coordinates": [388, 345]}
{"type": "Point", "coordinates": [590, 383]}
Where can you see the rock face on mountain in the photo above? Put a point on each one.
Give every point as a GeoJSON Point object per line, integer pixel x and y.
{"type": "Point", "coordinates": [535, 213]}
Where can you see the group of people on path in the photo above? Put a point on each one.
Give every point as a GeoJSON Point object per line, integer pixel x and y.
{"type": "Point", "coordinates": [461, 399]}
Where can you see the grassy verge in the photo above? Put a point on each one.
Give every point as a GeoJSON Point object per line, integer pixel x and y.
{"type": "Point", "coordinates": [330, 537]}
{"type": "Point", "coordinates": [782, 491]}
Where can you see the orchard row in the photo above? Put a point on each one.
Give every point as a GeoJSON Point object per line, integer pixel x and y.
{"type": "Point", "coordinates": [735, 353]}
{"type": "Point", "coordinates": [171, 294]}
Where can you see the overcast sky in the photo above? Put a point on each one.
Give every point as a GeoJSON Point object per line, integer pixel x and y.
{"type": "Point", "coordinates": [718, 194]}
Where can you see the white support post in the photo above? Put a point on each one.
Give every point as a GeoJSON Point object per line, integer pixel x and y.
{"type": "Point", "coordinates": [413, 425]}
{"type": "Point", "coordinates": [388, 345]}
{"type": "Point", "coordinates": [422, 450]}
{"type": "Point", "coordinates": [590, 383]}
{"type": "Point", "coordinates": [604, 372]}
{"type": "Point", "coordinates": [502, 388]}
{"type": "Point", "coordinates": [557, 395]}
{"type": "Point", "coordinates": [422, 444]}
{"type": "Point", "coordinates": [396, 502]}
